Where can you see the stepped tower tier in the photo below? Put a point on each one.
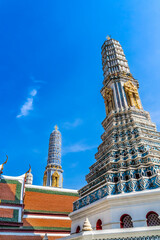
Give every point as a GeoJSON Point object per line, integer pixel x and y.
{"type": "Point", "coordinates": [53, 175]}
{"type": "Point", "coordinates": [128, 159]}
{"type": "Point", "coordinates": [120, 88]}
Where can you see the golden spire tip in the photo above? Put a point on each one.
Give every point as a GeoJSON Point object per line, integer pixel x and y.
{"type": "Point", "coordinates": [29, 171]}
{"type": "Point", "coordinates": [56, 127]}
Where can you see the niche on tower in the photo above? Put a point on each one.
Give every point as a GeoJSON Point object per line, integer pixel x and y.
{"type": "Point", "coordinates": [108, 99]}
{"type": "Point", "coordinates": [132, 95]}
{"type": "Point", "coordinates": [55, 179]}
{"type": "Point", "coordinates": [45, 179]}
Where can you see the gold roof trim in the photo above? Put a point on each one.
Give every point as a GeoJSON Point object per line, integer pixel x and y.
{"type": "Point", "coordinates": [4, 163]}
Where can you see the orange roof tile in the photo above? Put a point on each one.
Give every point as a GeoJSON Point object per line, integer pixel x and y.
{"type": "Point", "coordinates": [37, 222]}
{"type": "Point", "coordinates": [6, 213]}
{"type": "Point", "coordinates": [48, 202]}
{"type": "Point", "coordinates": [7, 191]}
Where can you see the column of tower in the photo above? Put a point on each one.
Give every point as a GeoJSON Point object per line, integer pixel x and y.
{"type": "Point", "coordinates": [128, 159]}
{"type": "Point", "coordinates": [53, 175]}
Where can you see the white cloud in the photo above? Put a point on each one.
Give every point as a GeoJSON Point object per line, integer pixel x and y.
{"type": "Point", "coordinates": [33, 92]}
{"type": "Point", "coordinates": [28, 105]}
{"type": "Point", "coordinates": [76, 123]}
{"type": "Point", "coordinates": [77, 147]}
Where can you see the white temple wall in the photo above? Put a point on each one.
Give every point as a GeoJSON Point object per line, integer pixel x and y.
{"type": "Point", "coordinates": [110, 209]}
{"type": "Point", "coordinates": [145, 233]}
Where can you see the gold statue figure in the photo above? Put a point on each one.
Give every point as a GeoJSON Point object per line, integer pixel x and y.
{"type": "Point", "coordinates": [45, 179]}
{"type": "Point", "coordinates": [55, 179]}
{"type": "Point", "coordinates": [132, 95]}
{"type": "Point", "coordinates": [108, 99]}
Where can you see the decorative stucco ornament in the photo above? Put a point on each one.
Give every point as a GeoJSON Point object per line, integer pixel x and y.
{"type": "Point", "coordinates": [29, 176]}
{"type": "Point", "coordinates": [87, 225]}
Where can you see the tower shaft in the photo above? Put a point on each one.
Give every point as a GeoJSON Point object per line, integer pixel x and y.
{"type": "Point", "coordinates": [53, 175]}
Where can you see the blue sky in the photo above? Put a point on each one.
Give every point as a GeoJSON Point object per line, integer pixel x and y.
{"type": "Point", "coordinates": [51, 73]}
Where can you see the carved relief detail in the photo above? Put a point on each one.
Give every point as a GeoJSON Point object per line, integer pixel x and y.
{"type": "Point", "coordinates": [132, 95]}
{"type": "Point", "coordinates": [55, 179]}
{"type": "Point", "coordinates": [108, 99]}
{"type": "Point", "coordinates": [45, 179]}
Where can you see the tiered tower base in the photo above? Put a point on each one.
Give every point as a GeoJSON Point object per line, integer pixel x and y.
{"type": "Point", "coordinates": [110, 211]}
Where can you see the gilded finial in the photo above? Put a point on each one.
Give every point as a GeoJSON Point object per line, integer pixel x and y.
{"type": "Point", "coordinates": [28, 176]}
{"type": "Point", "coordinates": [108, 37]}
{"type": "Point", "coordinates": [4, 162]}
{"type": "Point", "coordinates": [29, 168]}
{"type": "Point", "coordinates": [56, 127]}
{"type": "Point", "coordinates": [29, 171]}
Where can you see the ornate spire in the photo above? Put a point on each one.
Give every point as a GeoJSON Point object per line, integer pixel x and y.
{"type": "Point", "coordinates": [113, 58]}
{"type": "Point", "coordinates": [56, 127]}
{"type": "Point", "coordinates": [128, 159]}
{"type": "Point", "coordinates": [29, 176]}
{"type": "Point", "coordinates": [120, 89]}
{"type": "Point", "coordinates": [53, 174]}
{"type": "Point", "coordinates": [54, 152]}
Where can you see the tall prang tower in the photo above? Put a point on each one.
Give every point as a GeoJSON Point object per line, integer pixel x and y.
{"type": "Point", "coordinates": [128, 159]}
{"type": "Point", "coordinates": [53, 175]}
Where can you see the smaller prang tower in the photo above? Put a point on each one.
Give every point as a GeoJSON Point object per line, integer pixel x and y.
{"type": "Point", "coordinates": [53, 175]}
